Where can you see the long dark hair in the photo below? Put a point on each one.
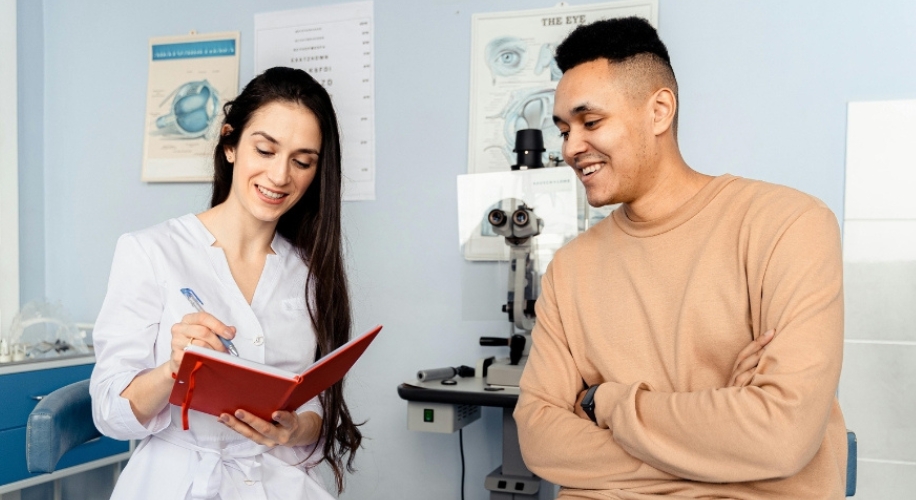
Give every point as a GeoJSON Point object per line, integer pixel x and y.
{"type": "Point", "coordinates": [312, 226]}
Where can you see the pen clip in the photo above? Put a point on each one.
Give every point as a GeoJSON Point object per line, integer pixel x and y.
{"type": "Point", "coordinates": [191, 295]}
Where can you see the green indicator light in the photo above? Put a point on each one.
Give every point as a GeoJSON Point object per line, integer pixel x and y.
{"type": "Point", "coordinates": [428, 415]}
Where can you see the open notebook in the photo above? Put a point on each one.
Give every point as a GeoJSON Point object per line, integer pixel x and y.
{"type": "Point", "coordinates": [214, 382]}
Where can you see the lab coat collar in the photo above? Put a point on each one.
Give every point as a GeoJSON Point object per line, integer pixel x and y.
{"type": "Point", "coordinates": [280, 246]}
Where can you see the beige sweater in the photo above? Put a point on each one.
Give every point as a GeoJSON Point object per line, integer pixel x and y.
{"type": "Point", "coordinates": [656, 312]}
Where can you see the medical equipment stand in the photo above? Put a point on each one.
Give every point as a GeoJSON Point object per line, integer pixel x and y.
{"type": "Point", "coordinates": [512, 480]}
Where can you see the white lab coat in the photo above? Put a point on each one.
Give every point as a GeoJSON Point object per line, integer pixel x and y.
{"type": "Point", "coordinates": [133, 335]}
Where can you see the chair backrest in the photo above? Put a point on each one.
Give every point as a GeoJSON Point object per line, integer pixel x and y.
{"type": "Point", "coordinates": [60, 421]}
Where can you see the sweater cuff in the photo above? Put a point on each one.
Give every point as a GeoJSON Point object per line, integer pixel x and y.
{"type": "Point", "coordinates": [607, 396]}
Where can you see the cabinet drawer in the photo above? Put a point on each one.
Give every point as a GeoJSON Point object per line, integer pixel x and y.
{"type": "Point", "coordinates": [12, 460]}
{"type": "Point", "coordinates": [18, 390]}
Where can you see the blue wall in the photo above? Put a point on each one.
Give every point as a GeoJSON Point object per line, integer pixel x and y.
{"type": "Point", "coordinates": [763, 88]}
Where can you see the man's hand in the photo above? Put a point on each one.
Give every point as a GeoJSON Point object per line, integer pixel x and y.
{"type": "Point", "coordinates": [742, 371]}
{"type": "Point", "coordinates": [747, 360]}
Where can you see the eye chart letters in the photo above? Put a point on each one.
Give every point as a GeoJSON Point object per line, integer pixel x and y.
{"type": "Point", "coordinates": [334, 44]}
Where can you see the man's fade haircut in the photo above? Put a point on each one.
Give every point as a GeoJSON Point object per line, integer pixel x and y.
{"type": "Point", "coordinates": [630, 43]}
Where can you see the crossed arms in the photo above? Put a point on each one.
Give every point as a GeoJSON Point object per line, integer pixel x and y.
{"type": "Point", "coordinates": [767, 421]}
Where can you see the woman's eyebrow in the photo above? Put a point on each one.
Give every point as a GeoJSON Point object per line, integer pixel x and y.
{"type": "Point", "coordinates": [274, 141]}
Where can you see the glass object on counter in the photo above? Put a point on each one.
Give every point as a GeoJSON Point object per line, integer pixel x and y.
{"type": "Point", "coordinates": [42, 330]}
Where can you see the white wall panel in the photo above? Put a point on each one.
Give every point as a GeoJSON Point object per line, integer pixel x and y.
{"type": "Point", "coordinates": [881, 160]}
{"type": "Point", "coordinates": [880, 300]}
{"type": "Point", "coordinates": [877, 389]}
{"type": "Point", "coordinates": [879, 240]}
{"type": "Point", "coordinates": [885, 481]}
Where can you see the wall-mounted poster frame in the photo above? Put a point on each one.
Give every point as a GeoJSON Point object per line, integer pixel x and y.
{"type": "Point", "coordinates": [190, 78]}
{"type": "Point", "coordinates": [514, 75]}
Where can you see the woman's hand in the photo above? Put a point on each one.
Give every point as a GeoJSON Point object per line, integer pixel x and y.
{"type": "Point", "coordinates": [148, 393]}
{"type": "Point", "coordinates": [200, 329]}
{"type": "Point", "coordinates": [287, 428]}
{"type": "Point", "coordinates": [746, 364]}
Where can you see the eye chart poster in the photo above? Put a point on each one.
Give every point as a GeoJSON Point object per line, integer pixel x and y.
{"type": "Point", "coordinates": [514, 75]}
{"type": "Point", "coordinates": [334, 44]}
{"type": "Point", "coordinates": [190, 78]}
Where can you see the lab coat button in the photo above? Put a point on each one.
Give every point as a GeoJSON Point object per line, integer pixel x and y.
{"type": "Point", "coordinates": [258, 340]}
{"type": "Point", "coordinates": [249, 482]}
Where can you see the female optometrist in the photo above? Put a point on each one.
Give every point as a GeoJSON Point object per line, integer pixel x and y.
{"type": "Point", "coordinates": [266, 259]}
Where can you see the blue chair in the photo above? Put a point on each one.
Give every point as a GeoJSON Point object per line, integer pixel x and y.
{"type": "Point", "coordinates": [60, 422]}
{"type": "Point", "coordinates": [851, 463]}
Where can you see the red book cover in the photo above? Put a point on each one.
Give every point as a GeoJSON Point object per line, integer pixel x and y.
{"type": "Point", "coordinates": [215, 382]}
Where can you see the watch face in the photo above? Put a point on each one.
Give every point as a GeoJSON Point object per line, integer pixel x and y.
{"type": "Point", "coordinates": [588, 403]}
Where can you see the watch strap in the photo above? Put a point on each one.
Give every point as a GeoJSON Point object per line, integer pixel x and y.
{"type": "Point", "coordinates": [588, 403]}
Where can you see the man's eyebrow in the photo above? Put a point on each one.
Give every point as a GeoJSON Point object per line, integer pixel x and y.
{"type": "Point", "coordinates": [576, 111]}
{"type": "Point", "coordinates": [582, 108]}
{"type": "Point", "coordinates": [274, 141]}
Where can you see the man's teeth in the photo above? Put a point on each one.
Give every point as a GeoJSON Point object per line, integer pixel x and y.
{"type": "Point", "coordinates": [591, 169]}
{"type": "Point", "coordinates": [270, 194]}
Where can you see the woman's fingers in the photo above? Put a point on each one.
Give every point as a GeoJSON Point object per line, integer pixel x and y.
{"type": "Point", "coordinates": [205, 328]}
{"type": "Point", "coordinates": [209, 321]}
{"type": "Point", "coordinates": [200, 336]}
{"type": "Point", "coordinates": [243, 428]}
{"type": "Point", "coordinates": [285, 419]}
{"type": "Point", "coordinates": [200, 329]}
{"type": "Point", "coordinates": [214, 325]}
{"type": "Point", "coordinates": [260, 430]}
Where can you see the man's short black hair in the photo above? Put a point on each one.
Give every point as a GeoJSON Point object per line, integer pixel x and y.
{"type": "Point", "coordinates": [613, 39]}
{"type": "Point", "coordinates": [629, 43]}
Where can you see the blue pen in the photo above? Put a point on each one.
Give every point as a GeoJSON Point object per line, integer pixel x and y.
{"type": "Point", "coordinates": [199, 305]}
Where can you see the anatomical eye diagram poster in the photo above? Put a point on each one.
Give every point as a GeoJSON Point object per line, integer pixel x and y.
{"type": "Point", "coordinates": [190, 78]}
{"type": "Point", "coordinates": [514, 75]}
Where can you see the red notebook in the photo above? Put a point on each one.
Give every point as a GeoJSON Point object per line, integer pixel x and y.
{"type": "Point", "coordinates": [215, 382]}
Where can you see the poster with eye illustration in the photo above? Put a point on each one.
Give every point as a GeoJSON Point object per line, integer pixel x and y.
{"type": "Point", "coordinates": [190, 78]}
{"type": "Point", "coordinates": [514, 75]}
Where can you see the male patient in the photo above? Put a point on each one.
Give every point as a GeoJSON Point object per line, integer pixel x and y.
{"type": "Point", "coordinates": [690, 344]}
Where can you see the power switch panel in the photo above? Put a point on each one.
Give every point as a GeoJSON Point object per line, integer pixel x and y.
{"type": "Point", "coordinates": [439, 417]}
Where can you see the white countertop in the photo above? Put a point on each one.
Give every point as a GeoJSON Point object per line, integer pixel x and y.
{"type": "Point", "coordinates": [44, 364]}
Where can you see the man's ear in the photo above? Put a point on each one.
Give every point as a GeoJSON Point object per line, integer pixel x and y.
{"type": "Point", "coordinates": [664, 107]}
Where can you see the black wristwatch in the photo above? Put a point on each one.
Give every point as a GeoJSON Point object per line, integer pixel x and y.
{"type": "Point", "coordinates": [588, 403]}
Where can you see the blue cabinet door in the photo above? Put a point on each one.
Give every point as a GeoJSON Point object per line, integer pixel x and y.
{"type": "Point", "coordinates": [19, 391]}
